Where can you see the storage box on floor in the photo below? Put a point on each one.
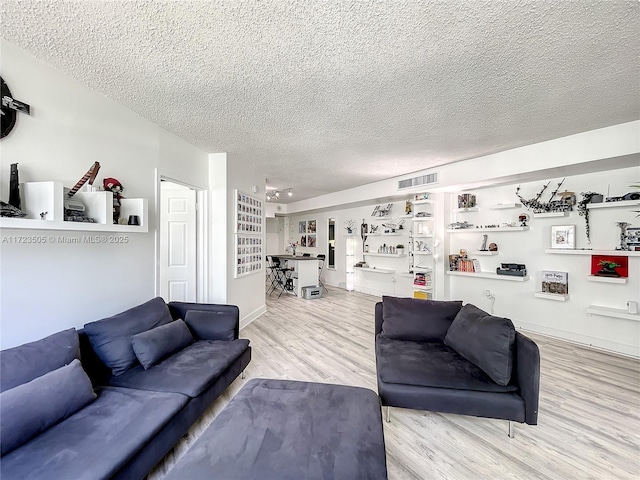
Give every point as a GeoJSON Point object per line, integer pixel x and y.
{"type": "Point", "coordinates": [309, 293]}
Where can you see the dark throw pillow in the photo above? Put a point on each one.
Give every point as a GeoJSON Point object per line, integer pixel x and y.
{"type": "Point", "coordinates": [33, 407]}
{"type": "Point", "coordinates": [484, 340]}
{"type": "Point", "coordinates": [157, 344]}
{"type": "Point", "coordinates": [111, 337]}
{"type": "Point", "coordinates": [417, 320]}
{"type": "Point", "coordinates": [211, 325]}
{"type": "Point", "coordinates": [22, 364]}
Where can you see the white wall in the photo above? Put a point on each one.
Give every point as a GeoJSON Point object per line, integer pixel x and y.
{"type": "Point", "coordinates": [515, 300]}
{"type": "Point", "coordinates": [48, 287]}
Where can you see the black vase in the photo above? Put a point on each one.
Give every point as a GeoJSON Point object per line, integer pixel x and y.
{"type": "Point", "coordinates": [14, 186]}
{"type": "Point", "coordinates": [607, 272]}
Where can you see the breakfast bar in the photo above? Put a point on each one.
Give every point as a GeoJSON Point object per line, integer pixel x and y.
{"type": "Point", "coordinates": [306, 270]}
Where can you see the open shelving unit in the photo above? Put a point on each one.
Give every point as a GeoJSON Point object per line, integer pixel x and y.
{"type": "Point", "coordinates": [48, 197]}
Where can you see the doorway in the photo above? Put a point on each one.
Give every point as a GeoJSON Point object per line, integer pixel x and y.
{"type": "Point", "coordinates": [178, 242]}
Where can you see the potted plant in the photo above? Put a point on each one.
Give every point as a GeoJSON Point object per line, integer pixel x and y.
{"type": "Point", "coordinates": [400, 249]}
{"type": "Point", "coordinates": [583, 211]}
{"type": "Point", "coordinates": [608, 268]}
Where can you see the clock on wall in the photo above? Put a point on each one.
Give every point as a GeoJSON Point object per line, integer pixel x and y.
{"type": "Point", "coordinates": [9, 108]}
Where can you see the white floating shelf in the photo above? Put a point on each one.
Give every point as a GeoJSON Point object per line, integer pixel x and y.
{"type": "Point", "coordinates": [485, 252]}
{"type": "Point", "coordinates": [612, 312]}
{"type": "Point", "coordinates": [465, 210]}
{"type": "Point", "coordinates": [504, 206]}
{"type": "Point", "coordinates": [422, 253]}
{"type": "Point", "coordinates": [422, 202]}
{"type": "Point", "coordinates": [394, 255]}
{"type": "Point", "coordinates": [422, 236]}
{"type": "Point", "coordinates": [409, 215]}
{"type": "Point", "coordinates": [552, 296]}
{"type": "Point", "coordinates": [422, 269]}
{"type": "Point", "coordinates": [493, 276]}
{"type": "Point", "coordinates": [497, 229]}
{"type": "Point", "coordinates": [568, 251]}
{"type": "Point", "coordinates": [550, 214]}
{"type": "Point", "coordinates": [382, 234]}
{"type": "Point", "coordinates": [623, 203]}
{"type": "Point", "coordinates": [406, 275]}
{"type": "Point", "coordinates": [596, 278]}
{"type": "Point", "coordinates": [422, 288]}
{"type": "Point", "coordinates": [375, 270]}
{"type": "Point", "coordinates": [422, 219]}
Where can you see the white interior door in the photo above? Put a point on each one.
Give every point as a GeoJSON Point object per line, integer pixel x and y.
{"type": "Point", "coordinates": [177, 243]}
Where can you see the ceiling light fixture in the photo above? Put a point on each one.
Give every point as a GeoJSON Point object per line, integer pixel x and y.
{"type": "Point", "coordinates": [275, 194]}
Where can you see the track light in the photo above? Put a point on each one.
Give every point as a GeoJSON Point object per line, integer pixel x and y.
{"type": "Point", "coordinates": [290, 193]}
{"type": "Point", "coordinates": [275, 194]}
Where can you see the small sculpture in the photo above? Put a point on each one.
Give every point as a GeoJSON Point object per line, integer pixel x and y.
{"type": "Point", "coordinates": [523, 218]}
{"type": "Point", "coordinates": [113, 185]}
{"type": "Point", "coordinates": [493, 247]}
{"type": "Point", "coordinates": [407, 207]}
{"type": "Point", "coordinates": [483, 247]}
{"type": "Point", "coordinates": [43, 215]}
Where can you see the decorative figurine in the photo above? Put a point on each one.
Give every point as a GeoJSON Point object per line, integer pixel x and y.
{"type": "Point", "coordinates": [407, 207]}
{"type": "Point", "coordinates": [493, 247]}
{"type": "Point", "coordinates": [623, 236]}
{"type": "Point", "coordinates": [113, 185]}
{"type": "Point", "coordinates": [483, 247]}
{"type": "Point", "coordinates": [43, 215]}
{"type": "Point", "coordinates": [523, 218]}
{"type": "Point", "coordinates": [14, 186]}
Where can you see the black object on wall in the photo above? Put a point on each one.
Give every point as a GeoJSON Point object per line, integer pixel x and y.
{"type": "Point", "coordinates": [14, 186]}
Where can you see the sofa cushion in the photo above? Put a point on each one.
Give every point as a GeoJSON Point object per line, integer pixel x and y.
{"type": "Point", "coordinates": [484, 340]}
{"type": "Point", "coordinates": [33, 407]}
{"type": "Point", "coordinates": [211, 325]}
{"type": "Point", "coordinates": [111, 337]}
{"type": "Point", "coordinates": [189, 371]}
{"type": "Point", "coordinates": [417, 320]}
{"type": "Point", "coordinates": [96, 441]}
{"type": "Point", "coordinates": [22, 364]}
{"type": "Point", "coordinates": [430, 364]}
{"type": "Point", "coordinates": [158, 343]}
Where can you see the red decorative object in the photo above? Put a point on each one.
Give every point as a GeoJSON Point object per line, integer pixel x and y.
{"type": "Point", "coordinates": [622, 270]}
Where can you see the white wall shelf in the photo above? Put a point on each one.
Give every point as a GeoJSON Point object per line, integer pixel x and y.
{"type": "Point", "coordinates": [422, 253]}
{"type": "Point", "coordinates": [394, 255]}
{"type": "Point", "coordinates": [568, 251]}
{"type": "Point", "coordinates": [497, 229]}
{"type": "Point", "coordinates": [422, 288]}
{"type": "Point", "coordinates": [465, 210]}
{"type": "Point", "coordinates": [382, 234]}
{"type": "Point", "coordinates": [422, 219]}
{"type": "Point", "coordinates": [485, 253]}
{"type": "Point", "coordinates": [422, 269]}
{"type": "Point", "coordinates": [612, 312]}
{"type": "Point", "coordinates": [550, 214]}
{"type": "Point", "coordinates": [422, 202]}
{"type": "Point", "coordinates": [552, 296]}
{"type": "Point", "coordinates": [596, 278]}
{"type": "Point", "coordinates": [493, 276]}
{"type": "Point", "coordinates": [422, 236]}
{"type": "Point", "coordinates": [504, 206]}
{"type": "Point", "coordinates": [375, 270]}
{"type": "Point", "coordinates": [623, 203]}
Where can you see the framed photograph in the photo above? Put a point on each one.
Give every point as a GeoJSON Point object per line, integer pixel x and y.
{"type": "Point", "coordinates": [311, 226]}
{"type": "Point", "coordinates": [248, 214]}
{"type": "Point", "coordinates": [302, 227]}
{"type": "Point", "coordinates": [563, 236]}
{"type": "Point", "coordinates": [311, 241]}
{"type": "Point", "coordinates": [249, 257]}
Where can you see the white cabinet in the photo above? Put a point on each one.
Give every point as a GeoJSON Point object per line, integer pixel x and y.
{"type": "Point", "coordinates": [421, 249]}
{"type": "Point", "coordinates": [43, 202]}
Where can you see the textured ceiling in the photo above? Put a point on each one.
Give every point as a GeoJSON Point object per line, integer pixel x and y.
{"type": "Point", "coordinates": [323, 96]}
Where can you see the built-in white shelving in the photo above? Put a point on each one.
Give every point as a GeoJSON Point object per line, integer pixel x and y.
{"type": "Point", "coordinates": [422, 288]}
{"type": "Point", "coordinates": [550, 214]}
{"type": "Point", "coordinates": [422, 253]}
{"type": "Point", "coordinates": [485, 252]}
{"type": "Point", "coordinates": [422, 202]}
{"type": "Point", "coordinates": [612, 312]}
{"type": "Point", "coordinates": [382, 234]}
{"type": "Point", "coordinates": [394, 255]}
{"type": "Point", "coordinates": [423, 236]}
{"type": "Point", "coordinates": [623, 203]}
{"type": "Point", "coordinates": [504, 206]}
{"type": "Point", "coordinates": [552, 296]}
{"type": "Point", "coordinates": [596, 278]}
{"type": "Point", "coordinates": [568, 251]}
{"type": "Point", "coordinates": [493, 276]}
{"type": "Point", "coordinates": [375, 270]}
{"type": "Point", "coordinates": [497, 229]}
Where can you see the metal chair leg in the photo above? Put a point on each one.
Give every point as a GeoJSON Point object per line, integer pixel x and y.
{"type": "Point", "coordinates": [242, 375]}
{"type": "Point", "coordinates": [511, 432]}
{"type": "Point", "coordinates": [388, 414]}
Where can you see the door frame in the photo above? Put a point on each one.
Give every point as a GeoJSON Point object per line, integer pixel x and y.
{"type": "Point", "coordinates": [202, 252]}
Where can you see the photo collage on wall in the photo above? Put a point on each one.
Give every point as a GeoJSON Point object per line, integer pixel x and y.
{"type": "Point", "coordinates": [307, 231]}
{"type": "Point", "coordinates": [249, 230]}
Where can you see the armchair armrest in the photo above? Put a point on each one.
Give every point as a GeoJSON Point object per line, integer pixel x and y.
{"type": "Point", "coordinates": [180, 309]}
{"type": "Point", "coordinates": [378, 327]}
{"type": "Point", "coordinates": [528, 376]}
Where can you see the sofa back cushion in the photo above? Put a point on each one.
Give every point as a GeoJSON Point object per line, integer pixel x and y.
{"type": "Point", "coordinates": [207, 325]}
{"type": "Point", "coordinates": [417, 320]}
{"type": "Point", "coordinates": [111, 337]}
{"type": "Point", "coordinates": [158, 343]}
{"type": "Point", "coordinates": [22, 364]}
{"type": "Point", "coordinates": [33, 407]}
{"type": "Point", "coordinates": [484, 340]}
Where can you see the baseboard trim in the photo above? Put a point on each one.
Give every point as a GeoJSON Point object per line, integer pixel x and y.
{"type": "Point", "coordinates": [248, 319]}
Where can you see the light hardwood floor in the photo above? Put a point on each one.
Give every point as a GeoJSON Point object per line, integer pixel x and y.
{"type": "Point", "coordinates": [589, 415]}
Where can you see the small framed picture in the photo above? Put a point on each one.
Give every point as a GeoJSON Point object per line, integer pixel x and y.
{"type": "Point", "coordinates": [563, 236]}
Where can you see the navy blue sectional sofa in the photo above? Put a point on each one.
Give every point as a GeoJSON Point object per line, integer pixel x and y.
{"type": "Point", "coordinates": [111, 400]}
{"type": "Point", "coordinates": [443, 357]}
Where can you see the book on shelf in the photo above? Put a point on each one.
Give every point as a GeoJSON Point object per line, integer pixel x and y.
{"type": "Point", "coordinates": [422, 279]}
{"type": "Point", "coordinates": [555, 282]}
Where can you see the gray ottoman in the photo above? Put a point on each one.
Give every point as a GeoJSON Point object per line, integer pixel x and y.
{"type": "Point", "coordinates": [280, 430]}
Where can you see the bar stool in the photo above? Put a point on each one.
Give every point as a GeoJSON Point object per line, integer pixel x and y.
{"type": "Point", "coordinates": [321, 256]}
{"type": "Point", "coordinates": [283, 277]}
{"type": "Point", "coordinates": [271, 275]}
